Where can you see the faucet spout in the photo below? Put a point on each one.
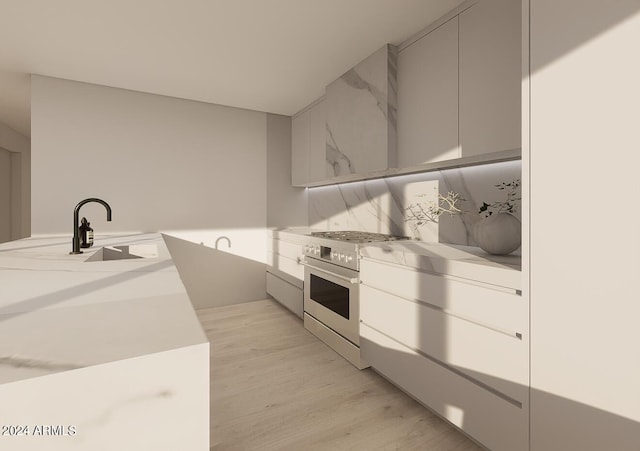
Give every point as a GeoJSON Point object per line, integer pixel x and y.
{"type": "Point", "coordinates": [223, 238]}
{"type": "Point", "coordinates": [76, 215]}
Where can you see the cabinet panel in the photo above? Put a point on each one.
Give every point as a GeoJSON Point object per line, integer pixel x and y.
{"type": "Point", "coordinates": [291, 268]}
{"type": "Point", "coordinates": [490, 77]}
{"type": "Point", "coordinates": [308, 145]}
{"type": "Point", "coordinates": [498, 360]}
{"type": "Point", "coordinates": [361, 116]}
{"type": "Point", "coordinates": [496, 423]}
{"type": "Point", "coordinates": [285, 293]}
{"type": "Point", "coordinates": [495, 308]}
{"type": "Point", "coordinates": [300, 149]}
{"type": "Point", "coordinates": [428, 98]}
{"type": "Point", "coordinates": [318, 167]}
{"type": "Point", "coordinates": [5, 195]}
{"type": "Point", "coordinates": [292, 251]}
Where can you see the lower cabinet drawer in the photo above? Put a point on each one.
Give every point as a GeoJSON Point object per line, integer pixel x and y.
{"type": "Point", "coordinates": [290, 250]}
{"type": "Point", "coordinates": [288, 295]}
{"type": "Point", "coordinates": [496, 359]}
{"type": "Point", "coordinates": [488, 418]}
{"type": "Point", "coordinates": [293, 268]}
{"type": "Point", "coordinates": [497, 307]}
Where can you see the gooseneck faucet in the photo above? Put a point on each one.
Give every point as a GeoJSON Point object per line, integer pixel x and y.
{"type": "Point", "coordinates": [76, 214]}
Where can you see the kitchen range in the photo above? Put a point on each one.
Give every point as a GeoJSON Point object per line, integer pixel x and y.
{"type": "Point", "coordinates": [331, 288]}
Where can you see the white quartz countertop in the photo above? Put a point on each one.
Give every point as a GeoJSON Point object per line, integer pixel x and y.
{"type": "Point", "coordinates": [459, 261]}
{"type": "Point", "coordinates": [466, 262]}
{"type": "Point", "coordinates": [59, 312]}
{"type": "Point", "coordinates": [295, 235]}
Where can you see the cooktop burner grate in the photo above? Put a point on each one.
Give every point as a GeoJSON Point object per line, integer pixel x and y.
{"type": "Point", "coordinates": [357, 237]}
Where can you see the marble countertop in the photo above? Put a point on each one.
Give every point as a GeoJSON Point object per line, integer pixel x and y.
{"type": "Point", "coordinates": [294, 234]}
{"type": "Point", "coordinates": [466, 262]}
{"type": "Point", "coordinates": [60, 312]}
{"type": "Point", "coordinates": [447, 259]}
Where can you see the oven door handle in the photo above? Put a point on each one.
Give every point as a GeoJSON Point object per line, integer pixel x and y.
{"type": "Point", "coordinates": [351, 280]}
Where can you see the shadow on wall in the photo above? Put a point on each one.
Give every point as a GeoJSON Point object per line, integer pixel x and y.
{"type": "Point", "coordinates": [213, 277]}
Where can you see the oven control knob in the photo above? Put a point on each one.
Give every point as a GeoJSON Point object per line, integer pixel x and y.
{"type": "Point", "coordinates": [349, 259]}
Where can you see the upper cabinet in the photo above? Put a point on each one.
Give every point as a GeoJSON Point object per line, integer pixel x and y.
{"type": "Point", "coordinates": [318, 166]}
{"type": "Point", "coordinates": [308, 161]}
{"type": "Point", "coordinates": [428, 98]}
{"type": "Point", "coordinates": [300, 149]}
{"type": "Point", "coordinates": [361, 116]}
{"type": "Point", "coordinates": [490, 77]}
{"type": "Point", "coordinates": [449, 97]}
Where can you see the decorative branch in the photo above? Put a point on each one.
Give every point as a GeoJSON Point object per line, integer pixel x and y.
{"type": "Point", "coordinates": [422, 212]}
{"type": "Point", "coordinates": [508, 206]}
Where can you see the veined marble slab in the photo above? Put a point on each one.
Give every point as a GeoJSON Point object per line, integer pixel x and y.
{"type": "Point", "coordinates": [380, 205]}
{"type": "Point", "coordinates": [154, 402]}
{"type": "Point", "coordinates": [112, 348]}
{"type": "Point", "coordinates": [361, 116]}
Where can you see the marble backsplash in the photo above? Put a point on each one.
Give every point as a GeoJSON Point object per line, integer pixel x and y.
{"type": "Point", "coordinates": [381, 205]}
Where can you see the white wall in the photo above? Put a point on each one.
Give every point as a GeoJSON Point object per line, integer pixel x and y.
{"type": "Point", "coordinates": [193, 169]}
{"type": "Point", "coordinates": [161, 163]}
{"type": "Point", "coordinates": [584, 243]}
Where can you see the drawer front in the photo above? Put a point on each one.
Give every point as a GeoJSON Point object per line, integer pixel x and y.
{"type": "Point", "coordinates": [495, 308]}
{"type": "Point", "coordinates": [285, 293]}
{"type": "Point", "coordinates": [292, 251]}
{"type": "Point", "coordinates": [494, 422]}
{"type": "Point", "coordinates": [286, 265]}
{"type": "Point", "coordinates": [493, 358]}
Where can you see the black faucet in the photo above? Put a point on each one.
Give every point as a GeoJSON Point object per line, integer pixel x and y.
{"type": "Point", "coordinates": [76, 214]}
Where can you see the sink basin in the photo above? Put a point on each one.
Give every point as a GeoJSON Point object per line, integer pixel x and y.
{"type": "Point", "coordinates": [111, 253]}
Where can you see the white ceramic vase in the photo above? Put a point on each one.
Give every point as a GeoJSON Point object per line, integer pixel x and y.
{"type": "Point", "coordinates": [498, 234]}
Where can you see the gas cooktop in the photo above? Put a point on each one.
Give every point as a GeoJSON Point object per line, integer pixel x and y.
{"type": "Point", "coordinates": [354, 236]}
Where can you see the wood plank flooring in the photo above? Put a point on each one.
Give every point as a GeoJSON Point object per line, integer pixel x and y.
{"type": "Point", "coordinates": [275, 386]}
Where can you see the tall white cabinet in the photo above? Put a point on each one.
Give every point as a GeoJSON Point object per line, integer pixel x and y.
{"type": "Point", "coordinates": [581, 151]}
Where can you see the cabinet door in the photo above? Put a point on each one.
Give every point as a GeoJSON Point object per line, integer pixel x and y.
{"type": "Point", "coordinates": [317, 142]}
{"type": "Point", "coordinates": [5, 195]}
{"type": "Point", "coordinates": [361, 107]}
{"type": "Point", "coordinates": [490, 77]}
{"type": "Point", "coordinates": [300, 149]}
{"type": "Point", "coordinates": [495, 422]}
{"type": "Point", "coordinates": [428, 98]}
{"type": "Point", "coordinates": [288, 295]}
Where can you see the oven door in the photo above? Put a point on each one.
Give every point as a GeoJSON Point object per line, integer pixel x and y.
{"type": "Point", "coordinates": [331, 296]}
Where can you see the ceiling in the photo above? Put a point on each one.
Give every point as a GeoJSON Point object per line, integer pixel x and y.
{"type": "Point", "coordinates": [267, 55]}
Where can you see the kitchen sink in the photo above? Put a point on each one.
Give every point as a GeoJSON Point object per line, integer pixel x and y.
{"type": "Point", "coordinates": [111, 253]}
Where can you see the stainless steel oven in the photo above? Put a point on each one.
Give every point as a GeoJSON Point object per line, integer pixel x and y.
{"type": "Point", "coordinates": [331, 296]}
{"type": "Point", "coordinates": [332, 289]}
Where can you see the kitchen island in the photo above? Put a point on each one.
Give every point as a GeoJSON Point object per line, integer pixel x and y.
{"type": "Point", "coordinates": [100, 350]}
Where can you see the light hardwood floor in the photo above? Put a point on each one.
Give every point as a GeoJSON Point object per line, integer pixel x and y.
{"type": "Point", "coordinates": [274, 386]}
